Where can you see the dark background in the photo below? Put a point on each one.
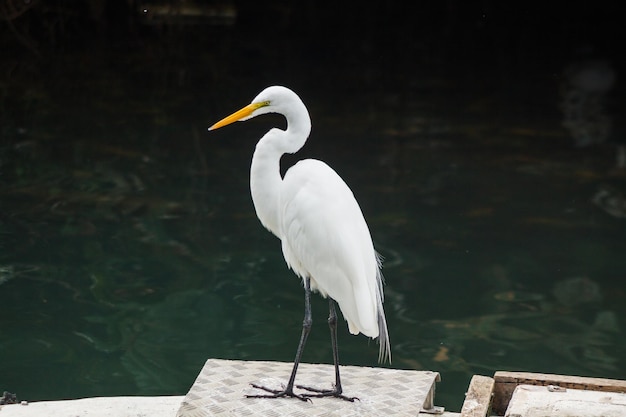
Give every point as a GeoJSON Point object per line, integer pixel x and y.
{"type": "Point", "coordinates": [443, 117]}
{"type": "Point", "coordinates": [359, 45]}
{"type": "Point", "coordinates": [395, 52]}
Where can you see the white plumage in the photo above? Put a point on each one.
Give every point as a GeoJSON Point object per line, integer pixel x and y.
{"type": "Point", "coordinates": [324, 236]}
{"type": "Point", "coordinates": [313, 212]}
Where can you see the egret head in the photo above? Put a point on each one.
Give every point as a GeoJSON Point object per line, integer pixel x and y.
{"type": "Point", "coordinates": [274, 99]}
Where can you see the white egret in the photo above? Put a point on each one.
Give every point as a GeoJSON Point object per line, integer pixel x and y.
{"type": "Point", "coordinates": [324, 237]}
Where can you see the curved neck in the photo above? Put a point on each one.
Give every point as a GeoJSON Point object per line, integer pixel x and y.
{"type": "Point", "coordinates": [265, 179]}
{"type": "Point", "coordinates": [298, 127]}
{"type": "Point", "coordinates": [265, 183]}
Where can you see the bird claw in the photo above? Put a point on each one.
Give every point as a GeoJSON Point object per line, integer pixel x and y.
{"type": "Point", "coordinates": [275, 393]}
{"type": "Point", "coordinates": [321, 393]}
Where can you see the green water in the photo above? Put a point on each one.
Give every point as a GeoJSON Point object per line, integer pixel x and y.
{"type": "Point", "coordinates": [130, 251]}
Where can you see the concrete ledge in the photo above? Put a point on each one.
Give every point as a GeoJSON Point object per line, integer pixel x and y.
{"type": "Point", "coordinates": [97, 407]}
{"type": "Point", "coordinates": [111, 407]}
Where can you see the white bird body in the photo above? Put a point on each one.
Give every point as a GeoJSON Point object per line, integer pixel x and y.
{"type": "Point", "coordinates": [314, 202]}
{"type": "Point", "coordinates": [313, 212]}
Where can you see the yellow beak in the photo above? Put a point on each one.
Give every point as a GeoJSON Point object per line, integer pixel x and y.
{"type": "Point", "coordinates": [238, 115]}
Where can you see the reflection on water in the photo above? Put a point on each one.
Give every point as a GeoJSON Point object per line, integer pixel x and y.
{"type": "Point", "coordinates": [131, 252]}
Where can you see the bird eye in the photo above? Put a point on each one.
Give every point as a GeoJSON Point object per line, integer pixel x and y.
{"type": "Point", "coordinates": [261, 104]}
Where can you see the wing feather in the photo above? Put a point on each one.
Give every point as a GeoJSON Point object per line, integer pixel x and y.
{"type": "Point", "coordinates": [325, 237]}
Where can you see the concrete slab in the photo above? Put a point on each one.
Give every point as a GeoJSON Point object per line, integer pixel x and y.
{"type": "Point", "coordinates": [555, 401]}
{"type": "Point", "coordinates": [221, 387]}
{"type": "Point", "coordinates": [97, 407]}
{"type": "Point", "coordinates": [381, 391]}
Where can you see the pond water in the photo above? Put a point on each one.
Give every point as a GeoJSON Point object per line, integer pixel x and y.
{"type": "Point", "coordinates": [131, 253]}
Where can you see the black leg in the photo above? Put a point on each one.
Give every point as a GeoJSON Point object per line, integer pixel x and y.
{"type": "Point", "coordinates": [306, 328]}
{"type": "Point", "coordinates": [337, 390]}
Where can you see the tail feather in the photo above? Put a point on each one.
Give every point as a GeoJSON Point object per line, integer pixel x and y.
{"type": "Point", "coordinates": [384, 352]}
